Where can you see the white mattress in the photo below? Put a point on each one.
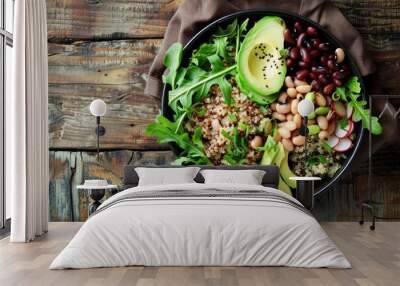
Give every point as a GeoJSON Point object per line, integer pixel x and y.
{"type": "Point", "coordinates": [191, 231]}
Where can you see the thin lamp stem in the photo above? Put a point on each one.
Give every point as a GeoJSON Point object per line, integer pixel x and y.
{"type": "Point", "coordinates": [98, 137]}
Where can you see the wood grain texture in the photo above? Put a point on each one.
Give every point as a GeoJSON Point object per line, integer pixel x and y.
{"type": "Point", "coordinates": [375, 259]}
{"type": "Point", "coordinates": [71, 20]}
{"type": "Point", "coordinates": [70, 169]}
{"type": "Point", "coordinates": [114, 71]}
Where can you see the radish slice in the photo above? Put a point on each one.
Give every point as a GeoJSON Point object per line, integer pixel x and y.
{"type": "Point", "coordinates": [340, 133]}
{"type": "Point", "coordinates": [349, 128]}
{"type": "Point", "coordinates": [349, 111]}
{"type": "Point", "coordinates": [332, 141]}
{"type": "Point", "coordinates": [344, 145]}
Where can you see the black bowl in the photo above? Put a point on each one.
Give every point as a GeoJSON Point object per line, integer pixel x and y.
{"type": "Point", "coordinates": [254, 15]}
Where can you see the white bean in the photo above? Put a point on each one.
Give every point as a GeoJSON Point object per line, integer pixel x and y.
{"type": "Point", "coordinates": [293, 107]}
{"type": "Point", "coordinates": [322, 122]}
{"type": "Point", "coordinates": [339, 55]}
{"type": "Point", "coordinates": [298, 82]}
{"type": "Point", "coordinates": [282, 97]}
{"type": "Point", "coordinates": [287, 144]}
{"type": "Point", "coordinates": [291, 125]}
{"type": "Point", "coordinates": [297, 120]}
{"type": "Point", "coordinates": [256, 142]}
{"type": "Point", "coordinates": [280, 117]}
{"type": "Point", "coordinates": [283, 108]}
{"type": "Point", "coordinates": [292, 92]}
{"type": "Point", "coordinates": [323, 134]}
{"type": "Point", "coordinates": [284, 132]}
{"type": "Point", "coordinates": [299, 140]}
{"type": "Point", "coordinates": [303, 88]}
{"type": "Point", "coordinates": [320, 99]}
{"type": "Point", "coordinates": [289, 81]}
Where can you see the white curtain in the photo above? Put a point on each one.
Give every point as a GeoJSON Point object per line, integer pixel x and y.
{"type": "Point", "coordinates": [27, 123]}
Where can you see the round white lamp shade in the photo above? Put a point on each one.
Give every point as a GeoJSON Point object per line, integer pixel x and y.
{"type": "Point", "coordinates": [98, 107]}
{"type": "Point", "coordinates": [305, 107]}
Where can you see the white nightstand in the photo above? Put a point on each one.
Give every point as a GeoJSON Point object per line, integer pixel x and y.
{"type": "Point", "coordinates": [96, 193]}
{"type": "Point", "coordinates": [305, 190]}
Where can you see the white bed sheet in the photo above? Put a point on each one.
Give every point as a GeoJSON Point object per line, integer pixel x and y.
{"type": "Point", "coordinates": [200, 232]}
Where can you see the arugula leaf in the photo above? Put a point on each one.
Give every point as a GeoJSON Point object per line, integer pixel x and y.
{"type": "Point", "coordinates": [172, 61]}
{"type": "Point", "coordinates": [228, 32]}
{"type": "Point", "coordinates": [166, 131]}
{"type": "Point", "coordinates": [236, 150]}
{"type": "Point", "coordinates": [353, 85]}
{"type": "Point", "coordinates": [350, 93]}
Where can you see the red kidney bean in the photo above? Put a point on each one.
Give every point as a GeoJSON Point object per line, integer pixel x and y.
{"type": "Point", "coordinates": [294, 53]}
{"type": "Point", "coordinates": [331, 65]}
{"type": "Point", "coordinates": [300, 40]}
{"type": "Point", "coordinates": [338, 75]}
{"type": "Point", "coordinates": [315, 53]}
{"type": "Point", "coordinates": [290, 63]}
{"type": "Point", "coordinates": [324, 60]}
{"type": "Point", "coordinates": [315, 42]}
{"type": "Point", "coordinates": [298, 27]}
{"type": "Point", "coordinates": [323, 79]}
{"type": "Point", "coordinates": [313, 75]}
{"type": "Point", "coordinates": [303, 65]}
{"type": "Point", "coordinates": [337, 82]}
{"type": "Point", "coordinates": [315, 85]}
{"type": "Point", "coordinates": [305, 55]}
{"type": "Point", "coordinates": [328, 89]}
{"type": "Point", "coordinates": [302, 74]}
{"type": "Point", "coordinates": [328, 100]}
{"type": "Point", "coordinates": [287, 34]}
{"type": "Point", "coordinates": [331, 57]}
{"type": "Point", "coordinates": [312, 32]}
{"type": "Point", "coordinates": [319, 70]}
{"type": "Point", "coordinates": [324, 47]}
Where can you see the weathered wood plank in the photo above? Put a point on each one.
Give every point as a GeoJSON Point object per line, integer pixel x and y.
{"type": "Point", "coordinates": [69, 169]}
{"type": "Point", "coordinates": [114, 71]}
{"type": "Point", "coordinates": [71, 20]}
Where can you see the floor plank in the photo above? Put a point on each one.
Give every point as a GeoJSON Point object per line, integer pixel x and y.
{"type": "Point", "coordinates": [375, 257]}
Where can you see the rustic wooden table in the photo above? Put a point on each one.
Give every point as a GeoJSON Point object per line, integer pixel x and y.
{"type": "Point", "coordinates": [103, 49]}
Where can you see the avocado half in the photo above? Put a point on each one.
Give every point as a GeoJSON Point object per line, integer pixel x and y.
{"type": "Point", "coordinates": [261, 66]}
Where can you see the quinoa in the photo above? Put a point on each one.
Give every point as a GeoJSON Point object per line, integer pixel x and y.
{"type": "Point", "coordinates": [217, 115]}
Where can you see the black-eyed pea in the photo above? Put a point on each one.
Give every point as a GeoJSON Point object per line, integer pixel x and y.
{"type": "Point", "coordinates": [284, 132]}
{"type": "Point", "coordinates": [322, 122]}
{"type": "Point", "coordinates": [299, 96]}
{"type": "Point", "coordinates": [292, 92]}
{"type": "Point", "coordinates": [289, 81]}
{"type": "Point", "coordinates": [303, 89]}
{"type": "Point", "coordinates": [279, 116]}
{"type": "Point", "coordinates": [320, 99]}
{"type": "Point", "coordinates": [297, 120]}
{"type": "Point", "coordinates": [323, 134]}
{"type": "Point", "coordinates": [287, 144]}
{"type": "Point", "coordinates": [299, 140]}
{"type": "Point", "coordinates": [283, 108]}
{"type": "Point", "coordinates": [293, 107]}
{"type": "Point", "coordinates": [282, 97]}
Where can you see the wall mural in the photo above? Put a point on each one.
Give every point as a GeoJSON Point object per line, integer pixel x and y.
{"type": "Point", "coordinates": [103, 49]}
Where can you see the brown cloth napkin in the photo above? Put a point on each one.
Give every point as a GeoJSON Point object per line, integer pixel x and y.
{"type": "Point", "coordinates": [193, 15]}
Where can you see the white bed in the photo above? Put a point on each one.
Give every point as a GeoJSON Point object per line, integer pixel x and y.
{"type": "Point", "coordinates": [267, 229]}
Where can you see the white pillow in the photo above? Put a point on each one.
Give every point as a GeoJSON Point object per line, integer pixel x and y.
{"type": "Point", "coordinates": [248, 177]}
{"type": "Point", "coordinates": [166, 176]}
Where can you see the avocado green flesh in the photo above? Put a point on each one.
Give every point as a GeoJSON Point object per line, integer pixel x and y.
{"type": "Point", "coordinates": [261, 68]}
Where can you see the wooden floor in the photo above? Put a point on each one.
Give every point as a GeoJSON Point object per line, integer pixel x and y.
{"type": "Point", "coordinates": [375, 257]}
